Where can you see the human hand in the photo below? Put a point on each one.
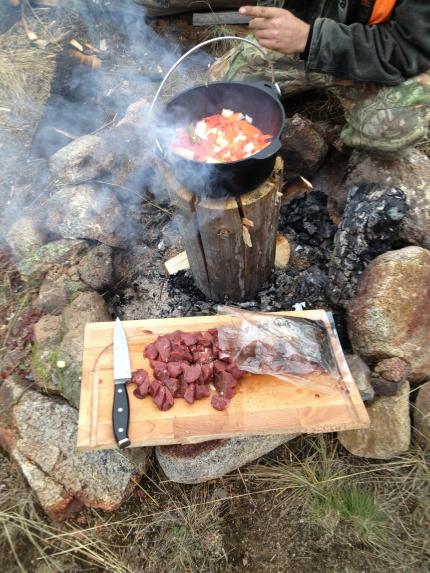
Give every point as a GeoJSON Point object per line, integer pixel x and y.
{"type": "Point", "coordinates": [277, 29]}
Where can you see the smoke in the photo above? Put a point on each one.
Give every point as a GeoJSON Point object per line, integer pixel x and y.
{"type": "Point", "coordinates": [130, 60]}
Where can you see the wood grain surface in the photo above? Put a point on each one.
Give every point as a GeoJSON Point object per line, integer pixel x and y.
{"type": "Point", "coordinates": [262, 405]}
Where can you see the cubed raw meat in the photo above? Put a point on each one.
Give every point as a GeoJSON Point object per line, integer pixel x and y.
{"type": "Point", "coordinates": [168, 400]}
{"type": "Point", "coordinates": [220, 366]}
{"type": "Point", "coordinates": [163, 345]}
{"type": "Point", "coordinates": [139, 376]}
{"type": "Point", "coordinates": [172, 384]}
{"type": "Point", "coordinates": [190, 338]}
{"type": "Point", "coordinates": [192, 373]}
{"type": "Point", "coordinates": [218, 402]}
{"type": "Point", "coordinates": [201, 391]}
{"type": "Point", "coordinates": [160, 396]}
{"type": "Point", "coordinates": [235, 371]}
{"type": "Point", "coordinates": [174, 369]}
{"type": "Point", "coordinates": [189, 393]}
{"type": "Point", "coordinates": [151, 352]}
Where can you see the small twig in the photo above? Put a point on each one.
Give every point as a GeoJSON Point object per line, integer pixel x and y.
{"type": "Point", "coordinates": [108, 124]}
{"type": "Point", "coordinates": [40, 21]}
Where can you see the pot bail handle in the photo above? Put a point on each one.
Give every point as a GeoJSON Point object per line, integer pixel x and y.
{"type": "Point", "coordinates": [211, 41]}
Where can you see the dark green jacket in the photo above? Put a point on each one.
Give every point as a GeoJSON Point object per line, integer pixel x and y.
{"type": "Point", "coordinates": [343, 44]}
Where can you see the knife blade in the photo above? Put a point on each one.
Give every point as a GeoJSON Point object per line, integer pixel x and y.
{"type": "Point", "coordinates": [122, 375]}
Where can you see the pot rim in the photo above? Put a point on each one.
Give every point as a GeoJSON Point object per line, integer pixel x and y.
{"type": "Point", "coordinates": [260, 155]}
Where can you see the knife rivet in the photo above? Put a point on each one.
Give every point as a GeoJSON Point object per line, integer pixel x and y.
{"type": "Point", "coordinates": [119, 390]}
{"type": "Point", "coordinates": [120, 429]}
{"type": "Point", "coordinates": [119, 409]}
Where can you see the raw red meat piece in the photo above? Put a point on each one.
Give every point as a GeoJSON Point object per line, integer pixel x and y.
{"type": "Point", "coordinates": [160, 396]}
{"type": "Point", "coordinates": [219, 403]}
{"type": "Point", "coordinates": [176, 336]}
{"type": "Point", "coordinates": [220, 366]}
{"type": "Point", "coordinates": [154, 387]}
{"type": "Point", "coordinates": [139, 376]}
{"type": "Point", "coordinates": [205, 339]}
{"type": "Point", "coordinates": [163, 345]}
{"type": "Point", "coordinates": [192, 373]}
{"type": "Point", "coordinates": [203, 356]}
{"type": "Point", "coordinates": [182, 387]}
{"type": "Point", "coordinates": [207, 373]}
{"type": "Point", "coordinates": [142, 390]}
{"type": "Point", "coordinates": [201, 391]}
{"type": "Point", "coordinates": [180, 353]}
{"type": "Point", "coordinates": [151, 352]}
{"type": "Point", "coordinates": [168, 400]}
{"type": "Point", "coordinates": [235, 371]}
{"type": "Point", "coordinates": [225, 384]}
{"type": "Point", "coordinates": [174, 369]}
{"type": "Point", "coordinates": [190, 338]}
{"type": "Point", "coordinates": [189, 393]}
{"type": "Point", "coordinates": [161, 373]}
{"type": "Point", "coordinates": [172, 384]}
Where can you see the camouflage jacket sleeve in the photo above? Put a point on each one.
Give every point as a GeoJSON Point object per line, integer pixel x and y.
{"type": "Point", "coordinates": [385, 53]}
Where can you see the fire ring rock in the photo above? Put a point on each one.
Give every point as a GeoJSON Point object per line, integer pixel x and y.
{"type": "Point", "coordinates": [39, 432]}
{"type": "Point", "coordinates": [86, 212]}
{"type": "Point", "coordinates": [85, 158]}
{"type": "Point", "coordinates": [198, 463]}
{"type": "Point", "coordinates": [389, 434]}
{"type": "Point", "coordinates": [422, 417]}
{"type": "Point", "coordinates": [390, 315]}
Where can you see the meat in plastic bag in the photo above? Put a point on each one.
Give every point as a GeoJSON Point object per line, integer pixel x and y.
{"type": "Point", "coordinates": [295, 349]}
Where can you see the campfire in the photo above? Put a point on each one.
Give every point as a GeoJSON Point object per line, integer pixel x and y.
{"type": "Point", "coordinates": [134, 189]}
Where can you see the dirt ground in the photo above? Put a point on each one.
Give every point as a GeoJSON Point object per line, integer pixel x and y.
{"type": "Point", "coordinates": [307, 506]}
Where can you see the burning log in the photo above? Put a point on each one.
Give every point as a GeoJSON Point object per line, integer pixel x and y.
{"type": "Point", "coordinates": [370, 226]}
{"type": "Point", "coordinates": [230, 243]}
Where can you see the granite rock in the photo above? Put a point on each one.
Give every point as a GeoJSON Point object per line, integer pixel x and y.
{"type": "Point", "coordinates": [422, 417]}
{"type": "Point", "coordinates": [389, 434]}
{"type": "Point", "coordinates": [198, 463]}
{"type": "Point", "coordinates": [390, 315]}
{"type": "Point", "coordinates": [39, 432]}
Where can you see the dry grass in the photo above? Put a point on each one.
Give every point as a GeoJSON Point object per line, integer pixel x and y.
{"type": "Point", "coordinates": [367, 504]}
{"type": "Point", "coordinates": [381, 510]}
{"type": "Point", "coordinates": [27, 61]}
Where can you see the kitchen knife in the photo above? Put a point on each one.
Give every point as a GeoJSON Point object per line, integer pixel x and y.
{"type": "Point", "coordinates": [122, 375]}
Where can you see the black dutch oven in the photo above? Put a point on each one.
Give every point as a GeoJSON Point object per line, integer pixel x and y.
{"type": "Point", "coordinates": [257, 100]}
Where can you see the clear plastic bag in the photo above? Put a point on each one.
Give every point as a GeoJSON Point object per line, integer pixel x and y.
{"type": "Point", "coordinates": [295, 349]}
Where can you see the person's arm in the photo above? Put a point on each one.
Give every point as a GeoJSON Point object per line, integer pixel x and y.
{"type": "Point", "coordinates": [385, 53]}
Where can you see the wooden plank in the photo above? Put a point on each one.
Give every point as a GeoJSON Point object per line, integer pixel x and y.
{"type": "Point", "coordinates": [219, 18]}
{"type": "Point", "coordinates": [220, 227]}
{"type": "Point", "coordinates": [263, 404]}
{"type": "Point", "coordinates": [178, 263]}
{"type": "Point", "coordinates": [261, 206]}
{"type": "Point", "coordinates": [282, 252]}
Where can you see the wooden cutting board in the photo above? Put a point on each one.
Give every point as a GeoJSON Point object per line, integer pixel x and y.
{"type": "Point", "coordinates": [262, 404]}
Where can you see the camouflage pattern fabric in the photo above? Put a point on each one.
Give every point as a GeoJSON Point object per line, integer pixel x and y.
{"type": "Point", "coordinates": [385, 120]}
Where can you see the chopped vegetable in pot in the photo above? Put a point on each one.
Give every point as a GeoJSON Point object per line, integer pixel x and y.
{"type": "Point", "coordinates": [222, 138]}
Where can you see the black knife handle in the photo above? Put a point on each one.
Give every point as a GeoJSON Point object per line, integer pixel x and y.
{"type": "Point", "coordinates": [120, 414]}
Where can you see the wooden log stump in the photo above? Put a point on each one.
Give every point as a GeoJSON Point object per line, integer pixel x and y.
{"type": "Point", "coordinates": [230, 243]}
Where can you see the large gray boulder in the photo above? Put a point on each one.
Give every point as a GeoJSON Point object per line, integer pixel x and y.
{"type": "Point", "coordinates": [390, 315]}
{"type": "Point", "coordinates": [389, 433]}
{"type": "Point", "coordinates": [198, 463]}
{"type": "Point", "coordinates": [85, 158]}
{"type": "Point", "coordinates": [86, 212]}
{"type": "Point", "coordinates": [39, 432]}
{"type": "Point", "coordinates": [61, 252]}
{"type": "Point", "coordinates": [24, 237]}
{"type": "Point", "coordinates": [87, 307]}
